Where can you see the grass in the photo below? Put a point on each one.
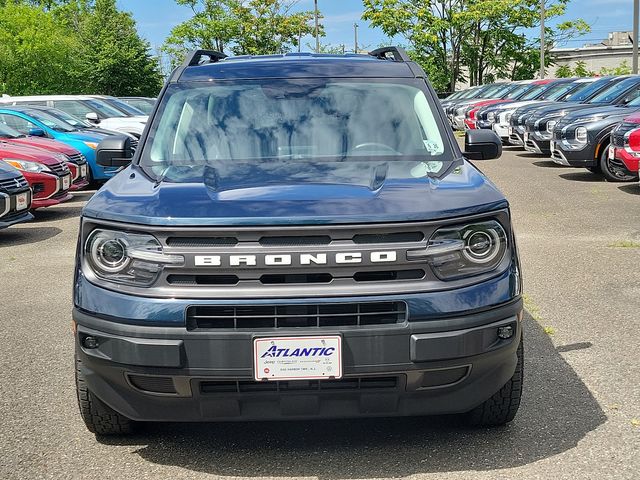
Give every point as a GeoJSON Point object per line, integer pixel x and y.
{"type": "Point", "coordinates": [534, 311]}
{"type": "Point", "coordinates": [625, 244]}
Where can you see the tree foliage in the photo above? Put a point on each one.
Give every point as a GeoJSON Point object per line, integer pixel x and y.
{"type": "Point", "coordinates": [73, 46]}
{"type": "Point", "coordinates": [242, 27]}
{"type": "Point", "coordinates": [456, 38]}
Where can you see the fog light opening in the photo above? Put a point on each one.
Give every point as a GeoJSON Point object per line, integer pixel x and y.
{"type": "Point", "coordinates": [505, 332]}
{"type": "Point", "coordinates": [90, 342]}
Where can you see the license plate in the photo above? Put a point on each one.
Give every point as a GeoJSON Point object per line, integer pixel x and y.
{"type": "Point", "coordinates": [66, 182]}
{"type": "Point", "coordinates": [83, 171]}
{"type": "Point", "coordinates": [612, 152]}
{"type": "Point", "coordinates": [552, 145]}
{"type": "Point", "coordinates": [22, 201]}
{"type": "Point", "coordinates": [297, 358]}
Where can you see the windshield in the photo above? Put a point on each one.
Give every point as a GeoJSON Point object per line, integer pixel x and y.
{"type": "Point", "coordinates": [146, 106]}
{"type": "Point", "coordinates": [519, 90]}
{"type": "Point", "coordinates": [50, 121]}
{"type": "Point", "coordinates": [7, 132]}
{"type": "Point", "coordinates": [311, 125]}
{"type": "Point", "coordinates": [123, 107]}
{"type": "Point", "coordinates": [470, 92]}
{"type": "Point", "coordinates": [491, 91]}
{"type": "Point", "coordinates": [106, 111]}
{"type": "Point", "coordinates": [534, 91]}
{"type": "Point", "coordinates": [611, 93]}
{"type": "Point", "coordinates": [70, 119]}
{"type": "Point", "coordinates": [585, 90]}
{"type": "Point", "coordinates": [556, 92]}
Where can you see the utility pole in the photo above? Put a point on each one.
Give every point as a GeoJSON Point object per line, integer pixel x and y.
{"type": "Point", "coordinates": [355, 38]}
{"type": "Point", "coordinates": [315, 8]}
{"type": "Point", "coordinates": [299, 39]}
{"type": "Point", "coordinates": [636, 19]}
{"type": "Point", "coordinates": [542, 45]}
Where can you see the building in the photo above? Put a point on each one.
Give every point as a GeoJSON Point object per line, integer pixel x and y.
{"type": "Point", "coordinates": [609, 53]}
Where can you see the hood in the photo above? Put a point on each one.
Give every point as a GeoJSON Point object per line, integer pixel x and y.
{"type": "Point", "coordinates": [31, 154]}
{"type": "Point", "coordinates": [86, 135]}
{"type": "Point", "coordinates": [633, 118]}
{"type": "Point", "coordinates": [7, 171]}
{"type": "Point", "coordinates": [597, 112]}
{"type": "Point", "coordinates": [44, 144]}
{"type": "Point", "coordinates": [293, 197]}
{"type": "Point", "coordinates": [560, 109]}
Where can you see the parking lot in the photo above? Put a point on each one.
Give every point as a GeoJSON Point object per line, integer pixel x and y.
{"type": "Point", "coordinates": [579, 239]}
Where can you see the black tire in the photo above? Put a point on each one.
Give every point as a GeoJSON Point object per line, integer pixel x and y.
{"type": "Point", "coordinates": [502, 407]}
{"type": "Point", "coordinates": [613, 170]}
{"type": "Point", "coordinates": [98, 417]}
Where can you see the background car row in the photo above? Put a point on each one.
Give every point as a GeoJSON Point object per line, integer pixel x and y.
{"type": "Point", "coordinates": [592, 123]}
{"type": "Point", "coordinates": [48, 147]}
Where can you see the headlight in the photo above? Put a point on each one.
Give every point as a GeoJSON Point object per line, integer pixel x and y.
{"type": "Point", "coordinates": [127, 258]}
{"type": "Point", "coordinates": [91, 145]}
{"type": "Point", "coordinates": [465, 250]}
{"type": "Point", "coordinates": [26, 166]}
{"type": "Point", "coordinates": [581, 135]}
{"type": "Point", "coordinates": [508, 116]}
{"type": "Point", "coordinates": [491, 117]}
{"type": "Point", "coordinates": [551, 125]}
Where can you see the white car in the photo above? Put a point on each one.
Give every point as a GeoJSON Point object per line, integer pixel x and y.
{"type": "Point", "coordinates": [95, 110]}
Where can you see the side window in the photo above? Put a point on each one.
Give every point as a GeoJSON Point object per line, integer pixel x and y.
{"type": "Point", "coordinates": [39, 103]}
{"type": "Point", "coordinates": [631, 96]}
{"type": "Point", "coordinates": [72, 107]}
{"type": "Point", "coordinates": [17, 123]}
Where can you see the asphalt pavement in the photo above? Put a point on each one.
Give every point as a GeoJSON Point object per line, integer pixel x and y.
{"type": "Point", "coordinates": [579, 239]}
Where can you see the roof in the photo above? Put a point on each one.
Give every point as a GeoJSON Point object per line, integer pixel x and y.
{"type": "Point", "coordinates": [294, 65]}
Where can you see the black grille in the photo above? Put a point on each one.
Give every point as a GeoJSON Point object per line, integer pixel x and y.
{"type": "Point", "coordinates": [59, 168]}
{"type": "Point", "coordinates": [617, 136]}
{"type": "Point", "coordinates": [77, 158]}
{"type": "Point", "coordinates": [294, 241]}
{"type": "Point", "coordinates": [352, 383]}
{"type": "Point", "coordinates": [195, 242]}
{"type": "Point", "coordinates": [9, 185]}
{"type": "Point", "coordinates": [295, 316]}
{"type": "Point", "coordinates": [153, 384]}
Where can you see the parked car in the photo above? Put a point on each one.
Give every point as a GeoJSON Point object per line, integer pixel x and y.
{"type": "Point", "coordinates": [544, 90]}
{"type": "Point", "coordinates": [581, 139]}
{"type": "Point", "coordinates": [624, 148]}
{"type": "Point", "coordinates": [76, 162]}
{"type": "Point", "coordinates": [284, 249]}
{"type": "Point", "coordinates": [94, 110]}
{"type": "Point", "coordinates": [539, 114]}
{"type": "Point", "coordinates": [15, 196]}
{"type": "Point", "coordinates": [143, 104]}
{"type": "Point", "coordinates": [47, 173]}
{"type": "Point", "coordinates": [484, 94]}
{"type": "Point", "coordinates": [36, 121]}
{"type": "Point", "coordinates": [128, 110]}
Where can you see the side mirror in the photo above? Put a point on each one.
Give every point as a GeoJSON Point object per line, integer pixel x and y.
{"type": "Point", "coordinates": [92, 117]}
{"type": "Point", "coordinates": [37, 132]}
{"type": "Point", "coordinates": [114, 151]}
{"type": "Point", "coordinates": [482, 145]}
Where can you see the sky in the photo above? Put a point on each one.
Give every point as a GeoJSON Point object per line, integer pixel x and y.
{"type": "Point", "coordinates": [155, 18]}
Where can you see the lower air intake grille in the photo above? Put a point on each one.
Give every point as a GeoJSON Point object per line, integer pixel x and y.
{"type": "Point", "coordinates": [295, 316]}
{"type": "Point", "coordinates": [153, 384]}
{"type": "Point", "coordinates": [354, 383]}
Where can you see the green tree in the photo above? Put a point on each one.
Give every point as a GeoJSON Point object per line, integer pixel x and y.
{"type": "Point", "coordinates": [481, 35]}
{"type": "Point", "coordinates": [114, 59]}
{"type": "Point", "coordinates": [564, 71]}
{"type": "Point", "coordinates": [622, 69]}
{"type": "Point", "coordinates": [580, 70]}
{"type": "Point", "coordinates": [37, 54]}
{"type": "Point", "coordinates": [242, 27]}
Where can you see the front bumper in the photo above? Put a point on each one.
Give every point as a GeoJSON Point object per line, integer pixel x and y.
{"type": "Point", "coordinates": [437, 366]}
{"type": "Point", "coordinates": [584, 157]}
{"type": "Point", "coordinates": [502, 130]}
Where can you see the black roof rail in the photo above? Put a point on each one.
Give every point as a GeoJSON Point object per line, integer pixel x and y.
{"type": "Point", "coordinates": [194, 56]}
{"type": "Point", "coordinates": [398, 53]}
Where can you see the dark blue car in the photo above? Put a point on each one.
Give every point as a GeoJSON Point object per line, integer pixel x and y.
{"type": "Point", "coordinates": [298, 236]}
{"type": "Point", "coordinates": [15, 197]}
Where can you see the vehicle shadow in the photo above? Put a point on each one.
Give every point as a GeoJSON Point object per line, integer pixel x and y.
{"type": "Point", "coordinates": [632, 188]}
{"type": "Point", "coordinates": [583, 176]}
{"type": "Point", "coordinates": [548, 164]}
{"type": "Point", "coordinates": [526, 154]}
{"type": "Point", "coordinates": [59, 212]}
{"type": "Point", "coordinates": [23, 236]}
{"type": "Point", "coordinates": [557, 412]}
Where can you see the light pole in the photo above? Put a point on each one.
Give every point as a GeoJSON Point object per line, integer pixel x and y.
{"type": "Point", "coordinates": [542, 45]}
{"type": "Point", "coordinates": [355, 38]}
{"type": "Point", "coordinates": [636, 15]}
{"type": "Point", "coordinates": [315, 8]}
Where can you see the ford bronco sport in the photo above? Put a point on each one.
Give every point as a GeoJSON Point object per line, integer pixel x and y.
{"type": "Point", "coordinates": [298, 236]}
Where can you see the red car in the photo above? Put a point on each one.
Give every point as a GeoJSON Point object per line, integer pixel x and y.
{"type": "Point", "coordinates": [73, 158]}
{"type": "Point", "coordinates": [48, 175]}
{"type": "Point", "coordinates": [624, 149]}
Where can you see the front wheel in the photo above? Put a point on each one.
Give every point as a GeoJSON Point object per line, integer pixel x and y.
{"type": "Point", "coordinates": [502, 407]}
{"type": "Point", "coordinates": [613, 169]}
{"type": "Point", "coordinates": [98, 417]}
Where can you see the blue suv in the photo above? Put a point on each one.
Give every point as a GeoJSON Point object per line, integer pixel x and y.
{"type": "Point", "coordinates": [297, 236]}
